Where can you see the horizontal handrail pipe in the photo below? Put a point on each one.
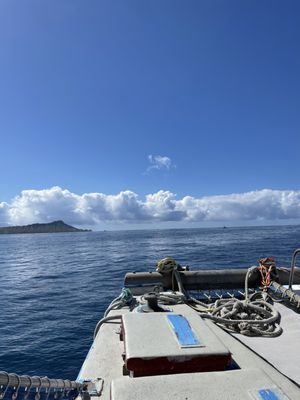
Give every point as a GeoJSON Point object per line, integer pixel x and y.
{"type": "Point", "coordinates": [204, 279]}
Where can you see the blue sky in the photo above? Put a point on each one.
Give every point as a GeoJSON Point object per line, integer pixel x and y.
{"type": "Point", "coordinates": [91, 93]}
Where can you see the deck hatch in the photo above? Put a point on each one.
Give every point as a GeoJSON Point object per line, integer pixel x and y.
{"type": "Point", "coordinates": [183, 331]}
{"type": "Point", "coordinates": [157, 343]}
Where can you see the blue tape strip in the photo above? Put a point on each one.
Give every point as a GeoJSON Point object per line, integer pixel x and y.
{"type": "Point", "coordinates": [183, 331]}
{"type": "Point", "coordinates": [269, 394]}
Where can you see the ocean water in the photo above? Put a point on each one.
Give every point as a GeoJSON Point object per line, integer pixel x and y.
{"type": "Point", "coordinates": [55, 287]}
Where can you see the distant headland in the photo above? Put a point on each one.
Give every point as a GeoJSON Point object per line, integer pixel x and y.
{"type": "Point", "coordinates": [51, 227]}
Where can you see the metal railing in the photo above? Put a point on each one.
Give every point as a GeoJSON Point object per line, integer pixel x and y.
{"type": "Point", "coordinates": [293, 263]}
{"type": "Point", "coordinates": [15, 386]}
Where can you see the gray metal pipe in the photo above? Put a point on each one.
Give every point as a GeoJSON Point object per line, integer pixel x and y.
{"type": "Point", "coordinates": [292, 270]}
{"type": "Point", "coordinates": [205, 279]}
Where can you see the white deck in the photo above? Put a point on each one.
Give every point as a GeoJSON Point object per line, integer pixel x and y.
{"type": "Point", "coordinates": [283, 352]}
{"type": "Point", "coordinates": [105, 361]}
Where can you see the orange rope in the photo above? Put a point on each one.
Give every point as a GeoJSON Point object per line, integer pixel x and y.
{"type": "Point", "coordinates": [266, 265]}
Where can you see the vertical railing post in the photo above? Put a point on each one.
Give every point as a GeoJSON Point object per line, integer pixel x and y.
{"type": "Point", "coordinates": [293, 263]}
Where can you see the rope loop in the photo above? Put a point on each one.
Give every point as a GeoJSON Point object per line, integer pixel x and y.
{"type": "Point", "coordinates": [68, 391]}
{"type": "Point", "coordinates": [49, 390]}
{"type": "Point", "coordinates": [3, 393]}
{"type": "Point", "coordinates": [38, 389]}
{"type": "Point", "coordinates": [63, 389]}
{"type": "Point", "coordinates": [15, 393]}
{"type": "Point", "coordinates": [27, 388]}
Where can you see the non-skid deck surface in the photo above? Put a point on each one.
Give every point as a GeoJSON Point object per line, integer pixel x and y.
{"type": "Point", "coordinates": [105, 361]}
{"type": "Point", "coordinates": [283, 352]}
{"type": "Point", "coordinates": [244, 384]}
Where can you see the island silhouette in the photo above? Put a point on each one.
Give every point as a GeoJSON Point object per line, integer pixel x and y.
{"type": "Point", "coordinates": [51, 227]}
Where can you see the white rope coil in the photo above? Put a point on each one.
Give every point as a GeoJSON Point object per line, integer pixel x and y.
{"type": "Point", "coordinates": [256, 318]}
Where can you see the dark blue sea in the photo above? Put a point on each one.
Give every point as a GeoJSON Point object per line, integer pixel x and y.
{"type": "Point", "coordinates": [55, 287]}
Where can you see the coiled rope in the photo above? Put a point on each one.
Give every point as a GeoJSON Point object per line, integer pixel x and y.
{"type": "Point", "coordinates": [257, 318]}
{"type": "Point", "coordinates": [248, 317]}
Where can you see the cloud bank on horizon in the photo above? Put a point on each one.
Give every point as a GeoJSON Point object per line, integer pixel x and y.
{"type": "Point", "coordinates": [95, 208]}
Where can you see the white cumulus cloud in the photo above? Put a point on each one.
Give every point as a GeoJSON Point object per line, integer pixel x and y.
{"type": "Point", "coordinates": [96, 208]}
{"type": "Point", "coordinates": [159, 162]}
